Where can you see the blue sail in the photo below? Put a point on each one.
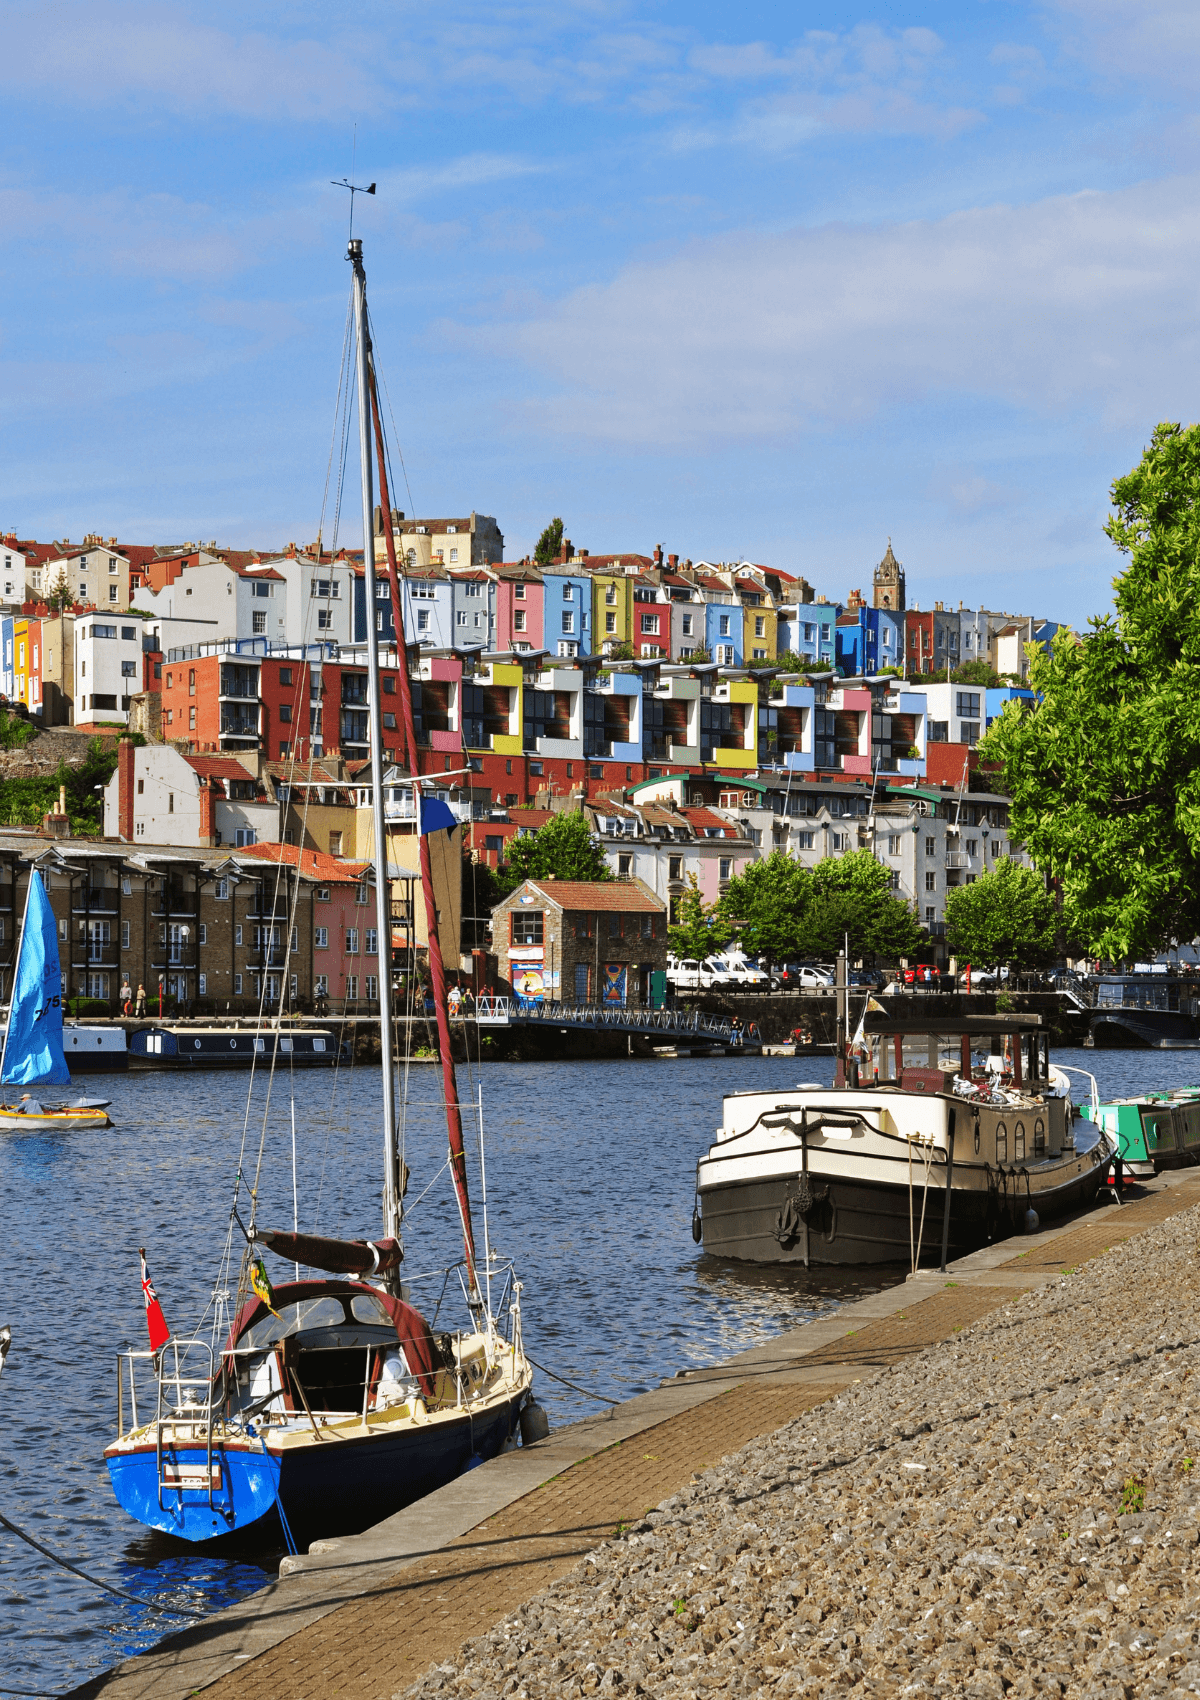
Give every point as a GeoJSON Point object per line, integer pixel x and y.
{"type": "Point", "coordinates": [33, 1049]}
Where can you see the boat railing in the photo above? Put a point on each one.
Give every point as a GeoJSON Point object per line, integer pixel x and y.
{"type": "Point", "coordinates": [184, 1369]}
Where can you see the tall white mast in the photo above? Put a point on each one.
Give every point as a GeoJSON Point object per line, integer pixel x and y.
{"type": "Point", "coordinates": [383, 896]}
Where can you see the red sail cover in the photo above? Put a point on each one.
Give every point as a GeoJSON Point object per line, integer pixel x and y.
{"type": "Point", "coordinates": [340, 1257]}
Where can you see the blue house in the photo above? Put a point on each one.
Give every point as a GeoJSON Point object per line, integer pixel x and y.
{"type": "Point", "coordinates": [7, 678]}
{"type": "Point", "coordinates": [723, 623]}
{"type": "Point", "coordinates": [566, 613]}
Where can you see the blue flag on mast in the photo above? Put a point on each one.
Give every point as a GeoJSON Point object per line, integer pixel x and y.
{"type": "Point", "coordinates": [33, 1048]}
{"type": "Point", "coordinates": [436, 816]}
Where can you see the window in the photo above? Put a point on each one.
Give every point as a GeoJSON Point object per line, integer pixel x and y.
{"type": "Point", "coordinates": [995, 848]}
{"type": "Point", "coordinates": [674, 867]}
{"type": "Point", "coordinates": [760, 626]}
{"type": "Point", "coordinates": [203, 930]}
{"type": "Point", "coordinates": [519, 620]}
{"type": "Point", "coordinates": [124, 935]}
{"type": "Point", "coordinates": [804, 840]}
{"type": "Point", "coordinates": [568, 621]}
{"type": "Point", "coordinates": [527, 926]}
{"type": "Point", "coordinates": [568, 593]}
{"type": "Point", "coordinates": [583, 926]}
{"type": "Point", "coordinates": [204, 985]}
{"type": "Point", "coordinates": [113, 592]}
{"type": "Point", "coordinates": [351, 941]}
{"type": "Point", "coordinates": [650, 623]}
{"type": "Point", "coordinates": [725, 867]}
{"type": "Point", "coordinates": [363, 892]}
{"type": "Point", "coordinates": [335, 843]}
{"type": "Point", "coordinates": [519, 592]}
{"type": "Point", "coordinates": [624, 866]}
{"type": "Point", "coordinates": [237, 985]}
{"type": "Point", "coordinates": [170, 802]}
{"type": "Point", "coordinates": [237, 935]}
{"type": "Point", "coordinates": [141, 787]}
{"type": "Point", "coordinates": [389, 721]}
{"type": "Point", "coordinates": [372, 982]}
{"type": "Point", "coordinates": [244, 836]}
{"type": "Point", "coordinates": [372, 941]}
{"type": "Point", "coordinates": [324, 620]}
{"type": "Point", "coordinates": [972, 846]}
{"type": "Point", "coordinates": [259, 622]}
{"type": "Point", "coordinates": [352, 985]}
{"type": "Point", "coordinates": [191, 719]}
{"type": "Point", "coordinates": [285, 712]}
{"type": "Point", "coordinates": [967, 705]}
{"type": "Point", "coordinates": [321, 938]}
{"type": "Point", "coordinates": [723, 625]}
{"type": "Point", "coordinates": [930, 914]}
{"type": "Point", "coordinates": [970, 731]}
{"type": "Point", "coordinates": [321, 985]}
{"type": "Point", "coordinates": [931, 846]}
{"type": "Point", "coordinates": [221, 891]}
{"type": "Point", "coordinates": [930, 879]}
{"type": "Point", "coordinates": [939, 731]}
{"type": "Point", "coordinates": [893, 848]}
{"type": "Point", "coordinates": [285, 675]}
{"type": "Point", "coordinates": [610, 622]}
{"type": "Point", "coordinates": [191, 681]}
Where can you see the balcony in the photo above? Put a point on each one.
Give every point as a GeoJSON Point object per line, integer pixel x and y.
{"type": "Point", "coordinates": [957, 859]}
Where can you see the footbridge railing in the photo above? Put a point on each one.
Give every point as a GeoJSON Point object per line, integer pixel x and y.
{"type": "Point", "coordinates": [614, 1018]}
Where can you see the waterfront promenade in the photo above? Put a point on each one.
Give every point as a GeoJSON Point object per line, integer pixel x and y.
{"type": "Point", "coordinates": [926, 1482]}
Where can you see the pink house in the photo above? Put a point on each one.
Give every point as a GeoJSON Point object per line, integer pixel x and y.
{"type": "Point", "coordinates": [519, 622]}
{"type": "Point", "coordinates": [344, 948]}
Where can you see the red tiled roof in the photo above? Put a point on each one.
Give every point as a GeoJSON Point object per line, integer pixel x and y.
{"type": "Point", "coordinates": [598, 894]}
{"type": "Point", "coordinates": [312, 863]}
{"type": "Point", "coordinates": [704, 819]}
{"type": "Point", "coordinates": [218, 767]}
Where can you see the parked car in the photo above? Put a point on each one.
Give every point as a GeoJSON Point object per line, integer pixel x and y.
{"type": "Point", "coordinates": [928, 974]}
{"type": "Point", "coordinates": [982, 979]}
{"type": "Point", "coordinates": [865, 979]}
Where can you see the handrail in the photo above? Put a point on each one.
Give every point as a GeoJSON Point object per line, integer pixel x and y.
{"type": "Point", "coordinates": [553, 1014]}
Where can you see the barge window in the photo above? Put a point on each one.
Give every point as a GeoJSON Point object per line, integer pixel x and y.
{"type": "Point", "coordinates": [1001, 1143]}
{"type": "Point", "coordinates": [1039, 1138]}
{"type": "Point", "coordinates": [1019, 1142]}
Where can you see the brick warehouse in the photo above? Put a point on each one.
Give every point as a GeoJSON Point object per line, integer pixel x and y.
{"type": "Point", "coordinates": [581, 942]}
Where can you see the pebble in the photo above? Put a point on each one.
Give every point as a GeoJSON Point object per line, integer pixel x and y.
{"type": "Point", "coordinates": [1015, 1511]}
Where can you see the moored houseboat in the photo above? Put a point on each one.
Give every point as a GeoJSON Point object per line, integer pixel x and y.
{"type": "Point", "coordinates": [939, 1134]}
{"type": "Point", "coordinates": [181, 1046]}
{"type": "Point", "coordinates": [1160, 1130]}
{"type": "Point", "coordinates": [95, 1050]}
{"type": "Point", "coordinates": [1144, 1008]}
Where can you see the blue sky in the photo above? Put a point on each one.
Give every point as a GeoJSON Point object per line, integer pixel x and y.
{"type": "Point", "coordinates": [754, 280]}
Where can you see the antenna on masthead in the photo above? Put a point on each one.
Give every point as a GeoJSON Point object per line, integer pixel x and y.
{"type": "Point", "coordinates": [355, 189]}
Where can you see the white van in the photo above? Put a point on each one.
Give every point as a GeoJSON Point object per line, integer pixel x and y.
{"type": "Point", "coordinates": [688, 975]}
{"type": "Point", "coordinates": [735, 970]}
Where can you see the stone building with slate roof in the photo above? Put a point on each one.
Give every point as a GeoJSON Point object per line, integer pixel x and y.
{"type": "Point", "coordinates": [581, 942]}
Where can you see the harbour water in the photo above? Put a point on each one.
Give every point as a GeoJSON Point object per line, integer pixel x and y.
{"type": "Point", "coordinates": [590, 1172]}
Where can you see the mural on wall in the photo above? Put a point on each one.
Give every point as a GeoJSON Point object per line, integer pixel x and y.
{"type": "Point", "coordinates": [615, 974]}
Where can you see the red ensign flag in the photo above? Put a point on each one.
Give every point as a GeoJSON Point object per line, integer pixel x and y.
{"type": "Point", "coordinates": [156, 1322]}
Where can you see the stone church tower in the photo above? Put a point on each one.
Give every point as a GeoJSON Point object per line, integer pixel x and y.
{"type": "Point", "coordinates": [889, 582]}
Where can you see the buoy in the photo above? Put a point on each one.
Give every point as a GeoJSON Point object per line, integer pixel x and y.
{"type": "Point", "coordinates": [535, 1424]}
{"type": "Point", "coordinates": [697, 1226]}
{"type": "Point", "coordinates": [1032, 1223]}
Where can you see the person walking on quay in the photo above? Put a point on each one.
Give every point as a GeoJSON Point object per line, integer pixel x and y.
{"type": "Point", "coordinates": [140, 1006]}
{"type": "Point", "coordinates": [125, 996]}
{"type": "Point", "coordinates": [454, 1000]}
{"type": "Point", "coordinates": [735, 1035]}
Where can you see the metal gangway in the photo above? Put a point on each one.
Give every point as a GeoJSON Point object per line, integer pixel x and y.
{"type": "Point", "coordinates": [685, 1025]}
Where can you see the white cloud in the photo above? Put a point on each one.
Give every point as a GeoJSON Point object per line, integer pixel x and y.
{"type": "Point", "coordinates": [106, 54]}
{"type": "Point", "coordinates": [468, 172]}
{"type": "Point", "coordinates": [1080, 303]}
{"type": "Point", "coordinates": [1156, 41]}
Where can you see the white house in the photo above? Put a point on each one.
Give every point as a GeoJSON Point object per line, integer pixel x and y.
{"type": "Point", "coordinates": [219, 601]}
{"type": "Point", "coordinates": [108, 667]}
{"type": "Point", "coordinates": [319, 600]}
{"type": "Point", "coordinates": [159, 796]}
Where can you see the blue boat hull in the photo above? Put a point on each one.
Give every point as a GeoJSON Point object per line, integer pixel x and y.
{"type": "Point", "coordinates": [332, 1488]}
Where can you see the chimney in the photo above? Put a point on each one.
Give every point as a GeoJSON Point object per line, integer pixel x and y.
{"type": "Point", "coordinates": [673, 562]}
{"type": "Point", "coordinates": [208, 831]}
{"type": "Point", "coordinates": [658, 554]}
{"type": "Point", "coordinates": [57, 824]}
{"type": "Point", "coordinates": [125, 762]}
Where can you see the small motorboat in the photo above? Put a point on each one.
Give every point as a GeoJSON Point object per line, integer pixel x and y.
{"type": "Point", "coordinates": [1159, 1130]}
{"type": "Point", "coordinates": [29, 1112]}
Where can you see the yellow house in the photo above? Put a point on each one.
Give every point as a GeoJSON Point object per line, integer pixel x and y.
{"type": "Point", "coordinates": [760, 636]}
{"type": "Point", "coordinates": [733, 718]}
{"type": "Point", "coordinates": [612, 611]}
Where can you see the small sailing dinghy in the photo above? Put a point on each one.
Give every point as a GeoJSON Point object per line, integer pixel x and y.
{"type": "Point", "coordinates": [323, 1405]}
{"type": "Point", "coordinates": [33, 1039]}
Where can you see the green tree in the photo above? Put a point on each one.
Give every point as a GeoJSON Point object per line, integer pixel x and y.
{"type": "Point", "coordinates": [700, 928]}
{"type": "Point", "coordinates": [622, 652]}
{"type": "Point", "coordinates": [976, 673]}
{"type": "Point", "coordinates": [1006, 915]}
{"type": "Point", "coordinates": [1104, 768]}
{"type": "Point", "coordinates": [853, 895]}
{"type": "Point", "coordinates": [59, 595]}
{"type": "Point", "coordinates": [770, 902]}
{"type": "Point", "coordinates": [25, 801]}
{"type": "Point", "coordinates": [549, 543]}
{"type": "Point", "coordinates": [562, 849]}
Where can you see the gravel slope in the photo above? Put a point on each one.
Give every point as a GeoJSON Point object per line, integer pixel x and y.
{"type": "Point", "coordinates": [953, 1526]}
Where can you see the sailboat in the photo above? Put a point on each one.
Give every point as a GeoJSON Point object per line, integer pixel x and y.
{"type": "Point", "coordinates": [331, 1402]}
{"type": "Point", "coordinates": [33, 1039]}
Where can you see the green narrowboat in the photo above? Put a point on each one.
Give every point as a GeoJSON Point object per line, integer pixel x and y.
{"type": "Point", "coordinates": [1160, 1130]}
